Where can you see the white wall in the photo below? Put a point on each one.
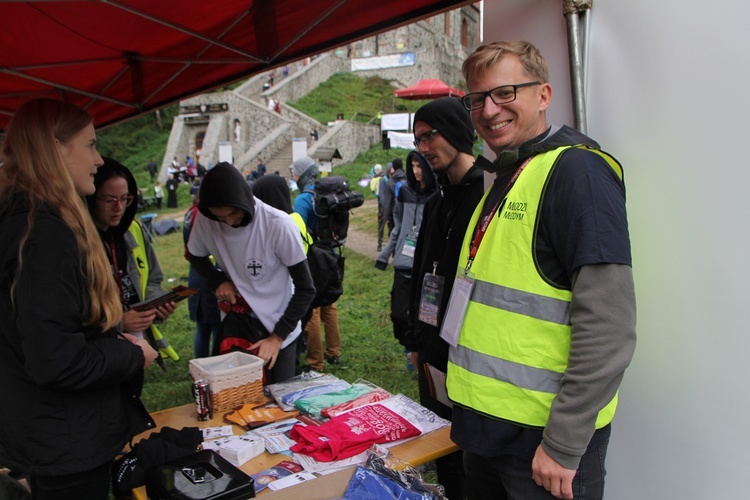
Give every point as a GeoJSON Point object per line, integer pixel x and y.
{"type": "Point", "coordinates": [669, 95]}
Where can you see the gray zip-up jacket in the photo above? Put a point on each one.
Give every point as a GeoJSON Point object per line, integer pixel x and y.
{"type": "Point", "coordinates": [407, 216]}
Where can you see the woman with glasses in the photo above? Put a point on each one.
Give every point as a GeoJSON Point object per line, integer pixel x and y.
{"type": "Point", "coordinates": [132, 258]}
{"type": "Point", "coordinates": [68, 377]}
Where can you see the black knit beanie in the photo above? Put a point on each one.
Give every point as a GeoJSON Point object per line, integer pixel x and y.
{"type": "Point", "coordinates": [449, 117]}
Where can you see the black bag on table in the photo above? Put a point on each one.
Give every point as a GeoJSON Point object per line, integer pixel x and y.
{"type": "Point", "coordinates": [204, 475]}
{"type": "Point", "coordinates": [129, 471]}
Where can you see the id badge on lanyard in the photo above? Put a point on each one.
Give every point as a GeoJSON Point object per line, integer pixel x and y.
{"type": "Point", "coordinates": [431, 298]}
{"type": "Point", "coordinates": [464, 284]}
{"type": "Point", "coordinates": [457, 305]}
{"type": "Point", "coordinates": [410, 243]}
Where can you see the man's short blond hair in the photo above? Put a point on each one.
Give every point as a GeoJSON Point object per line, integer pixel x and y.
{"type": "Point", "coordinates": [485, 56]}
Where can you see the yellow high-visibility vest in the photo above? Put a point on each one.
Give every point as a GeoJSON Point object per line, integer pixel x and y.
{"type": "Point", "coordinates": [139, 254]}
{"type": "Point", "coordinates": [306, 238]}
{"type": "Point", "coordinates": [515, 339]}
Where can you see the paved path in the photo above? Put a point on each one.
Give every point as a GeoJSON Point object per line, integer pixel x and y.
{"type": "Point", "coordinates": [359, 241]}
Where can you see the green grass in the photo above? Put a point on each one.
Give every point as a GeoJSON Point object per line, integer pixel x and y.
{"type": "Point", "coordinates": [359, 99]}
{"type": "Point", "coordinates": [368, 349]}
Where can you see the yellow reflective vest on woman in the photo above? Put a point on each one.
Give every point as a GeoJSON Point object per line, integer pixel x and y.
{"type": "Point", "coordinates": [140, 257]}
{"type": "Point", "coordinates": [515, 339]}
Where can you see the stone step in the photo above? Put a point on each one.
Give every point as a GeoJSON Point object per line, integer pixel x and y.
{"type": "Point", "coordinates": [281, 161]}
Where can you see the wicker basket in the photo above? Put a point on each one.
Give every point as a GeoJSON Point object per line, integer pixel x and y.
{"type": "Point", "coordinates": [235, 378]}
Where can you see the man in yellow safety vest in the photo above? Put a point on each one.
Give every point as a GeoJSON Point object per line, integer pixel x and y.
{"type": "Point", "coordinates": [541, 320]}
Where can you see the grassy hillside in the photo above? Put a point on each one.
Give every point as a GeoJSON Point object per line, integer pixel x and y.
{"type": "Point", "coordinates": [356, 98]}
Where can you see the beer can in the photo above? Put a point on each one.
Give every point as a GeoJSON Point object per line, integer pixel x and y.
{"type": "Point", "coordinates": [202, 394]}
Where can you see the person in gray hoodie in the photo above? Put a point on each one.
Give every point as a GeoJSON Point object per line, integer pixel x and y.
{"type": "Point", "coordinates": [410, 197]}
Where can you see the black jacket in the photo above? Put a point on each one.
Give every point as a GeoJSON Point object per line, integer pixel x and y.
{"type": "Point", "coordinates": [444, 220]}
{"type": "Point", "coordinates": [388, 197]}
{"type": "Point", "coordinates": [67, 405]}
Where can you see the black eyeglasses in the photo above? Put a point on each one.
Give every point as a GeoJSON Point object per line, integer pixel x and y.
{"type": "Point", "coordinates": [111, 201]}
{"type": "Point", "coordinates": [426, 137]}
{"type": "Point", "coordinates": [499, 95]}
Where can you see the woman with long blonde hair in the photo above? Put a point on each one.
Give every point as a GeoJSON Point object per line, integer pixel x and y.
{"type": "Point", "coordinates": [67, 375]}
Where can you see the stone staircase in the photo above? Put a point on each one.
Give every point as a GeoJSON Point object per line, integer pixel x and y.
{"type": "Point", "coordinates": [281, 161]}
{"type": "Point", "coordinates": [255, 132]}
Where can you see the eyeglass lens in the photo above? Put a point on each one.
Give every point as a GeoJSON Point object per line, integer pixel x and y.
{"type": "Point", "coordinates": [426, 137]}
{"type": "Point", "coordinates": [125, 201]}
{"type": "Point", "coordinates": [499, 95]}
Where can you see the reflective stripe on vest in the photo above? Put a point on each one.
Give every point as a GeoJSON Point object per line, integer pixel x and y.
{"type": "Point", "coordinates": [494, 369]}
{"type": "Point", "coordinates": [139, 254]}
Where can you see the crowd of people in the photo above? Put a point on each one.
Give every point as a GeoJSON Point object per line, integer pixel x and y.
{"type": "Point", "coordinates": [515, 304]}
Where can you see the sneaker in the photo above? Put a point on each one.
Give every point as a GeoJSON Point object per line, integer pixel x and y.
{"type": "Point", "coordinates": [334, 360]}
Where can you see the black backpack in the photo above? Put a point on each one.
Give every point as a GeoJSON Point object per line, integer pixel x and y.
{"type": "Point", "coordinates": [332, 202]}
{"type": "Point", "coordinates": [327, 270]}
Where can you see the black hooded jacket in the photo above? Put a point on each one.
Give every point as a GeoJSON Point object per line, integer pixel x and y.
{"type": "Point", "coordinates": [118, 241]}
{"type": "Point", "coordinates": [223, 186]}
{"type": "Point", "coordinates": [274, 191]}
{"type": "Point", "coordinates": [67, 406]}
{"type": "Point", "coordinates": [444, 221]}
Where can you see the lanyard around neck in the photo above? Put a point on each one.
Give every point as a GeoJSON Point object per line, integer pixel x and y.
{"type": "Point", "coordinates": [481, 228]}
{"type": "Point", "coordinates": [112, 248]}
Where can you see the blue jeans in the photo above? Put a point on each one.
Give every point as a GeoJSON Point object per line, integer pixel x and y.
{"type": "Point", "coordinates": [509, 477]}
{"type": "Point", "coordinates": [205, 335]}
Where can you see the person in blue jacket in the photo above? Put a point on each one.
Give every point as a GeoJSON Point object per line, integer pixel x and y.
{"type": "Point", "coordinates": [305, 171]}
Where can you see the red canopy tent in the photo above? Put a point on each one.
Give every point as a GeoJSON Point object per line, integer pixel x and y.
{"type": "Point", "coordinates": [121, 58]}
{"type": "Point", "coordinates": [428, 89]}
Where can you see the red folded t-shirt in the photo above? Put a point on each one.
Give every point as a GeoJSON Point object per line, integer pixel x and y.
{"type": "Point", "coordinates": [351, 433]}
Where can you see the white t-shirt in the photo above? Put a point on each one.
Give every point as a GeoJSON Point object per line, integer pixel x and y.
{"type": "Point", "coordinates": [255, 258]}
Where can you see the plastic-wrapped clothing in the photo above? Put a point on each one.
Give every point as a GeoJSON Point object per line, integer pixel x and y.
{"type": "Point", "coordinates": [351, 433]}
{"type": "Point", "coordinates": [313, 405]}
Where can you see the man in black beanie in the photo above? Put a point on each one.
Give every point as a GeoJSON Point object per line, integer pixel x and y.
{"type": "Point", "coordinates": [444, 134]}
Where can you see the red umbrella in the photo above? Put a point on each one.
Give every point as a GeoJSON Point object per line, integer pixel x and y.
{"type": "Point", "coordinates": [428, 89]}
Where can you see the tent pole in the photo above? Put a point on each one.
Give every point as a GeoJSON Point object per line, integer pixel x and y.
{"type": "Point", "coordinates": [571, 10]}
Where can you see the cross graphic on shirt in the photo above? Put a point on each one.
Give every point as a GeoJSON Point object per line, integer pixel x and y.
{"type": "Point", "coordinates": [254, 267]}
